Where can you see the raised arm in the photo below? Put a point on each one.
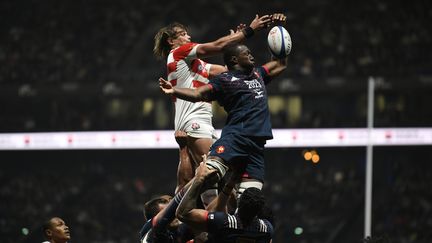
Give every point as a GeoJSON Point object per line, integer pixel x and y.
{"type": "Point", "coordinates": [276, 66]}
{"type": "Point", "coordinates": [216, 47]}
{"type": "Point", "coordinates": [193, 95]}
{"type": "Point", "coordinates": [187, 211]}
{"type": "Point", "coordinates": [219, 204]}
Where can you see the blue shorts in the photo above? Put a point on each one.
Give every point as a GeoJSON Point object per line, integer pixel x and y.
{"type": "Point", "coordinates": [241, 152]}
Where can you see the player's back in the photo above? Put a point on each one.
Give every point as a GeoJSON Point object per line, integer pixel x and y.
{"type": "Point", "coordinates": [229, 229]}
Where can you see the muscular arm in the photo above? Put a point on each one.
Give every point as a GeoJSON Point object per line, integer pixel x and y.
{"type": "Point", "coordinates": [193, 95]}
{"type": "Point", "coordinates": [216, 47]}
{"type": "Point", "coordinates": [216, 70]}
{"type": "Point", "coordinates": [219, 204]}
{"type": "Point", "coordinates": [276, 66]}
{"type": "Point", "coordinates": [187, 211]}
{"type": "Point", "coordinates": [166, 215]}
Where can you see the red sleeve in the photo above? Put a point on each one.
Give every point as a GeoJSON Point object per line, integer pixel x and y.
{"type": "Point", "coordinates": [183, 51]}
{"type": "Point", "coordinates": [266, 69]}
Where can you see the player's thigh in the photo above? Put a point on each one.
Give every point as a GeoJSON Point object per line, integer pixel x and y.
{"type": "Point", "coordinates": [199, 147]}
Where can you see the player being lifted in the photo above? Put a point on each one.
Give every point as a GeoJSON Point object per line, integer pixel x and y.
{"type": "Point", "coordinates": [242, 93]}
{"type": "Point", "coordinates": [185, 69]}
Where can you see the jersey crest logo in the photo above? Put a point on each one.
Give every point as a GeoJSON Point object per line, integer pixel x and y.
{"type": "Point", "coordinates": [253, 84]}
{"type": "Point", "coordinates": [195, 126]}
{"type": "Point", "coordinates": [259, 93]}
{"type": "Point", "coordinates": [220, 149]}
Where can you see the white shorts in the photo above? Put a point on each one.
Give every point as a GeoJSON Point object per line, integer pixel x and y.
{"type": "Point", "coordinates": [200, 129]}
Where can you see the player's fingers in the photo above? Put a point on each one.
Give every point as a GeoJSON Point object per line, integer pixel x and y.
{"type": "Point", "coordinates": [279, 17]}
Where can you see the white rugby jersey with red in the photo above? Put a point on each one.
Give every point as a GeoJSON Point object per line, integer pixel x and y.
{"type": "Point", "coordinates": [186, 70]}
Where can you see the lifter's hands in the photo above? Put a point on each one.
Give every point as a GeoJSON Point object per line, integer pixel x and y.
{"type": "Point", "coordinates": [166, 86]}
{"type": "Point", "coordinates": [181, 138]}
{"type": "Point", "coordinates": [203, 172]}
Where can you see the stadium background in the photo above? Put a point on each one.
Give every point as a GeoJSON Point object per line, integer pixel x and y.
{"type": "Point", "coordinates": [88, 66]}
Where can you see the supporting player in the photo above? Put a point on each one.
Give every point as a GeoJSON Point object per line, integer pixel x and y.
{"type": "Point", "coordinates": [242, 226]}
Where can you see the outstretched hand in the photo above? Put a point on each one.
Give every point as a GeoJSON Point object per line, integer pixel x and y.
{"type": "Point", "coordinates": [261, 22]}
{"type": "Point", "coordinates": [239, 28]}
{"type": "Point", "coordinates": [278, 18]}
{"type": "Point", "coordinates": [166, 86]}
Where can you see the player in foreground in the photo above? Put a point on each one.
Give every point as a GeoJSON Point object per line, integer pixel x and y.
{"type": "Point", "coordinates": [242, 226]}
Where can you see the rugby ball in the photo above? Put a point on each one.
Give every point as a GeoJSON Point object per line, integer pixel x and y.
{"type": "Point", "coordinates": [279, 42]}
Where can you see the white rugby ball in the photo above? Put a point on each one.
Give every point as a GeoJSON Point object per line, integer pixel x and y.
{"type": "Point", "coordinates": [279, 42]}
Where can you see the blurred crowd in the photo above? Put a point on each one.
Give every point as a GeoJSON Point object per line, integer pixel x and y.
{"type": "Point", "coordinates": [100, 194]}
{"type": "Point", "coordinates": [100, 41]}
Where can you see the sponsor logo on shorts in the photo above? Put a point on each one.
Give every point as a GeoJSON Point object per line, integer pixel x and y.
{"type": "Point", "coordinates": [195, 126]}
{"type": "Point", "coordinates": [220, 149]}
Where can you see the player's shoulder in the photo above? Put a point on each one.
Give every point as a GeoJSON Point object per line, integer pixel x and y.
{"type": "Point", "coordinates": [186, 46]}
{"type": "Point", "coordinates": [222, 77]}
{"type": "Point", "coordinates": [265, 226]}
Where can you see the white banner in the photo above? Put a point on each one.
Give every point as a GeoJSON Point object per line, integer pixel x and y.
{"type": "Point", "coordinates": [164, 139]}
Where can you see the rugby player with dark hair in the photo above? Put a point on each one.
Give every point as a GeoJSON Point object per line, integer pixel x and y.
{"type": "Point", "coordinates": [56, 231]}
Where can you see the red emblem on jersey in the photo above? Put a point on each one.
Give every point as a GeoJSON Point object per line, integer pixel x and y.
{"type": "Point", "coordinates": [195, 126]}
{"type": "Point", "coordinates": [220, 149]}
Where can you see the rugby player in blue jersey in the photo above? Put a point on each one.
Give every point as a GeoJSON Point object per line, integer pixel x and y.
{"type": "Point", "coordinates": [242, 226]}
{"type": "Point", "coordinates": [242, 93]}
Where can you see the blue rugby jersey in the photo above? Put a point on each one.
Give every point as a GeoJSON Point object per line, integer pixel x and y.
{"type": "Point", "coordinates": [225, 228]}
{"type": "Point", "coordinates": [244, 98]}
